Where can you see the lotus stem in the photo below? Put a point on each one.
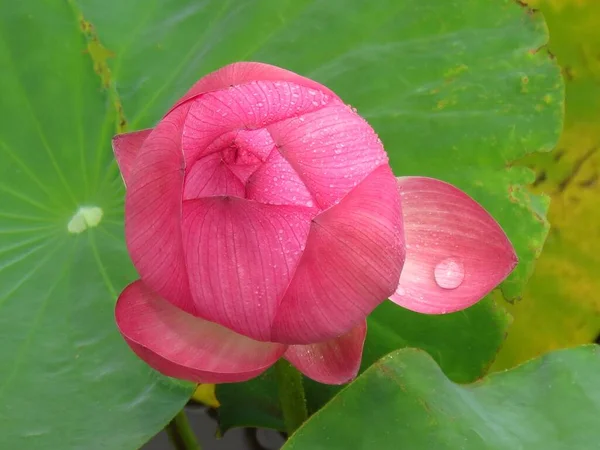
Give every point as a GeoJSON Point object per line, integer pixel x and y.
{"type": "Point", "coordinates": [180, 434]}
{"type": "Point", "coordinates": [291, 395]}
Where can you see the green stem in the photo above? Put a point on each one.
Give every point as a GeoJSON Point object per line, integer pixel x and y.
{"type": "Point", "coordinates": [291, 395]}
{"type": "Point", "coordinates": [181, 435]}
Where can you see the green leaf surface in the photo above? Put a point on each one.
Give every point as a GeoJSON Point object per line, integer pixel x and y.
{"type": "Point", "coordinates": [561, 303]}
{"type": "Point", "coordinates": [456, 91]}
{"type": "Point", "coordinates": [67, 379]}
{"type": "Point", "coordinates": [406, 401]}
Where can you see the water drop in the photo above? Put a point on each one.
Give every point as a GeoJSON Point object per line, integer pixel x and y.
{"type": "Point", "coordinates": [449, 273]}
{"type": "Point", "coordinates": [401, 291]}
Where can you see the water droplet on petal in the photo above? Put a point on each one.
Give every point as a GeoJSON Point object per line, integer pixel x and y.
{"type": "Point", "coordinates": [449, 273]}
{"type": "Point", "coordinates": [401, 291]}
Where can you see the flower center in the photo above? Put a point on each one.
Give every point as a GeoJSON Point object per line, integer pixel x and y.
{"type": "Point", "coordinates": [246, 164]}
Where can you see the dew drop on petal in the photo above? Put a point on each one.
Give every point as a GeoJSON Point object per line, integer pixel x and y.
{"type": "Point", "coordinates": [401, 291]}
{"type": "Point", "coordinates": [449, 273]}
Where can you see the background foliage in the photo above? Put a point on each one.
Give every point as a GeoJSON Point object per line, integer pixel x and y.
{"type": "Point", "coordinates": [561, 303]}
{"type": "Point", "coordinates": [456, 91]}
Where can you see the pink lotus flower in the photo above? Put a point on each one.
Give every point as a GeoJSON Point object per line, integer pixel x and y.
{"type": "Point", "coordinates": [265, 222]}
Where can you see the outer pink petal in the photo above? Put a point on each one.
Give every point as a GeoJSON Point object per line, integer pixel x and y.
{"type": "Point", "coordinates": [183, 346]}
{"type": "Point", "coordinates": [246, 107]}
{"type": "Point", "coordinates": [456, 252]}
{"type": "Point", "coordinates": [241, 256]}
{"type": "Point", "coordinates": [126, 147]}
{"type": "Point", "coordinates": [336, 361]}
{"type": "Point", "coordinates": [153, 212]}
{"type": "Point", "coordinates": [333, 149]}
{"type": "Point", "coordinates": [351, 264]}
{"type": "Point", "coordinates": [210, 176]}
{"type": "Point", "coordinates": [246, 72]}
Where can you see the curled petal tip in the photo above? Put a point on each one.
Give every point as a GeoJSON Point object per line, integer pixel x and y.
{"type": "Point", "coordinates": [125, 147]}
{"type": "Point", "coordinates": [335, 361]}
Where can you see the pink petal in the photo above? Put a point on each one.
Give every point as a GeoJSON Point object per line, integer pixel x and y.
{"type": "Point", "coordinates": [259, 142]}
{"type": "Point", "coordinates": [331, 362]}
{"type": "Point", "coordinates": [456, 252]}
{"type": "Point", "coordinates": [246, 107]}
{"type": "Point", "coordinates": [183, 346]}
{"type": "Point", "coordinates": [211, 176]}
{"type": "Point", "coordinates": [240, 151]}
{"type": "Point", "coordinates": [246, 72]}
{"type": "Point", "coordinates": [277, 183]}
{"type": "Point", "coordinates": [125, 147]}
{"type": "Point", "coordinates": [240, 257]}
{"type": "Point", "coordinates": [333, 149]}
{"type": "Point", "coordinates": [351, 264]}
{"type": "Point", "coordinates": [153, 212]}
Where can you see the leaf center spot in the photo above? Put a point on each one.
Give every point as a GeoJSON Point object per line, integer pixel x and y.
{"type": "Point", "coordinates": [85, 217]}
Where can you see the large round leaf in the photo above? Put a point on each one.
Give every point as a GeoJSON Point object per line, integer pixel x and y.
{"type": "Point", "coordinates": [67, 379]}
{"type": "Point", "coordinates": [456, 91]}
{"type": "Point", "coordinates": [406, 401]}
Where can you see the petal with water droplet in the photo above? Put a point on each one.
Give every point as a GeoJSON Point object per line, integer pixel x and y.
{"type": "Point", "coordinates": [248, 107]}
{"type": "Point", "coordinates": [211, 176]}
{"type": "Point", "coordinates": [332, 149]}
{"type": "Point", "coordinates": [456, 252]}
{"type": "Point", "coordinates": [187, 347]}
{"type": "Point", "coordinates": [335, 361]}
{"type": "Point", "coordinates": [126, 147]}
{"type": "Point", "coordinates": [351, 264]}
{"type": "Point", "coordinates": [277, 183]}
